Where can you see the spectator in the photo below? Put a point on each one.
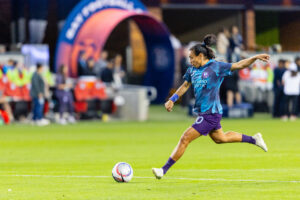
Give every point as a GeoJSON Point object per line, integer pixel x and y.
{"type": "Point", "coordinates": [101, 63]}
{"type": "Point", "coordinates": [9, 66]}
{"type": "Point", "coordinates": [297, 61]}
{"type": "Point", "coordinates": [223, 42]}
{"type": "Point", "coordinates": [4, 103]}
{"type": "Point", "coordinates": [19, 75]}
{"type": "Point", "coordinates": [107, 73]}
{"type": "Point", "coordinates": [82, 63]}
{"type": "Point", "coordinates": [278, 105]}
{"type": "Point", "coordinates": [184, 64]}
{"type": "Point", "coordinates": [64, 95]}
{"type": "Point", "coordinates": [261, 90]}
{"type": "Point", "coordinates": [291, 83]}
{"type": "Point", "coordinates": [232, 91]}
{"type": "Point", "coordinates": [37, 93]}
{"type": "Point", "coordinates": [236, 45]}
{"type": "Point", "coordinates": [90, 69]}
{"type": "Point", "coordinates": [118, 71]}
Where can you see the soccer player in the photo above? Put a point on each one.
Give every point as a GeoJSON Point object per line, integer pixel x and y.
{"type": "Point", "coordinates": [206, 76]}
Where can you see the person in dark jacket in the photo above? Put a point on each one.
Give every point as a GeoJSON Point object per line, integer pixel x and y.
{"type": "Point", "coordinates": [297, 61]}
{"type": "Point", "coordinates": [278, 106]}
{"type": "Point", "coordinates": [90, 69]}
{"type": "Point", "coordinates": [37, 93]}
{"type": "Point", "coordinates": [107, 73]}
{"type": "Point", "coordinates": [232, 90]}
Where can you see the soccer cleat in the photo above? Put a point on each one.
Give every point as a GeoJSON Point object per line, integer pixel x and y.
{"type": "Point", "coordinates": [158, 172]}
{"type": "Point", "coordinates": [259, 141]}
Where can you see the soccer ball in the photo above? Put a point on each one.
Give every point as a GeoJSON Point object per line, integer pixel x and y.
{"type": "Point", "coordinates": [122, 172]}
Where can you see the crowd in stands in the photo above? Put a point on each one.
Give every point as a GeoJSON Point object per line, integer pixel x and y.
{"type": "Point", "coordinates": [269, 87]}
{"type": "Point", "coordinates": [106, 70]}
{"type": "Point", "coordinates": [275, 88]}
{"type": "Point", "coordinates": [26, 94]}
{"type": "Point", "coordinates": [286, 86]}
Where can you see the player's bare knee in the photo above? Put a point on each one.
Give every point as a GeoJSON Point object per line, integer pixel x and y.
{"type": "Point", "coordinates": [184, 140]}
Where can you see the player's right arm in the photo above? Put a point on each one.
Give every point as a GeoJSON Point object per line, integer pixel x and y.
{"type": "Point", "coordinates": [179, 92]}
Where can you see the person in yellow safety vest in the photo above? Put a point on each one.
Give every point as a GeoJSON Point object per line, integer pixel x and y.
{"type": "Point", "coordinates": [48, 77]}
{"type": "Point", "coordinates": [19, 76]}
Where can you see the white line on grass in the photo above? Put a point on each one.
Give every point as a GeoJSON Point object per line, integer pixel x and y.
{"type": "Point", "coordinates": [226, 170]}
{"type": "Point", "coordinates": [173, 178]}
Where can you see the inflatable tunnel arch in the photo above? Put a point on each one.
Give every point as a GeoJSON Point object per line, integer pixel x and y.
{"type": "Point", "coordinates": [91, 22]}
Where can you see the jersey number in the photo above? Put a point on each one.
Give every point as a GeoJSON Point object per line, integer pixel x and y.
{"type": "Point", "coordinates": [199, 120]}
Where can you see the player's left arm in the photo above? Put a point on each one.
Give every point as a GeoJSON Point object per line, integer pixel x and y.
{"type": "Point", "coordinates": [248, 61]}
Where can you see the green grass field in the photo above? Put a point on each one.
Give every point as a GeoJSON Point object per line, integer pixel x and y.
{"type": "Point", "coordinates": [75, 161]}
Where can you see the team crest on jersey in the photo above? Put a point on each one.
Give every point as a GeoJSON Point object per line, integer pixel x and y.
{"type": "Point", "coordinates": [205, 74]}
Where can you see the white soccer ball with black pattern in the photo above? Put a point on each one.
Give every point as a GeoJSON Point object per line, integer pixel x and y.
{"type": "Point", "coordinates": [122, 172]}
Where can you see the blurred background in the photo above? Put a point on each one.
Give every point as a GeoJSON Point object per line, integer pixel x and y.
{"type": "Point", "coordinates": [67, 60]}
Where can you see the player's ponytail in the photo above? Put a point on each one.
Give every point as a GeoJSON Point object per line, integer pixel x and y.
{"type": "Point", "coordinates": [204, 47]}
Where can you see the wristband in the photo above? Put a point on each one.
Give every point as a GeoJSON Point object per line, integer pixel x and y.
{"type": "Point", "coordinates": [174, 98]}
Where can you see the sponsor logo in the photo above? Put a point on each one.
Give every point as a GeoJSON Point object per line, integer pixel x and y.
{"type": "Point", "coordinates": [205, 75]}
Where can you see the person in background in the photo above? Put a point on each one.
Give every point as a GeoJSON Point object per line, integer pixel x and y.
{"type": "Point", "coordinates": [107, 73]}
{"type": "Point", "coordinates": [259, 77]}
{"type": "Point", "coordinates": [291, 89]}
{"type": "Point", "coordinates": [9, 66]}
{"type": "Point", "coordinates": [82, 63]}
{"type": "Point", "coordinates": [236, 45]}
{"type": "Point", "coordinates": [64, 95]}
{"type": "Point", "coordinates": [232, 90]}
{"type": "Point", "coordinates": [37, 93]}
{"type": "Point", "coordinates": [90, 69]}
{"type": "Point", "coordinates": [4, 101]}
{"type": "Point", "coordinates": [118, 71]}
{"type": "Point", "coordinates": [184, 61]}
{"type": "Point", "coordinates": [278, 105]}
{"type": "Point", "coordinates": [297, 61]}
{"type": "Point", "coordinates": [223, 42]}
{"type": "Point", "coordinates": [184, 65]}
{"type": "Point", "coordinates": [19, 75]}
{"type": "Point", "coordinates": [101, 63]}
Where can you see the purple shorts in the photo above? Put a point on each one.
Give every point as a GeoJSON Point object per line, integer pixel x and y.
{"type": "Point", "coordinates": [207, 122]}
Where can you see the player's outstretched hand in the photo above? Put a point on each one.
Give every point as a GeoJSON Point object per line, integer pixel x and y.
{"type": "Point", "coordinates": [263, 57]}
{"type": "Point", "coordinates": [169, 105]}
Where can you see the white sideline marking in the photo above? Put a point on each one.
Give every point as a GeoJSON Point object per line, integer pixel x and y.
{"type": "Point", "coordinates": [173, 178]}
{"type": "Point", "coordinates": [226, 170]}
